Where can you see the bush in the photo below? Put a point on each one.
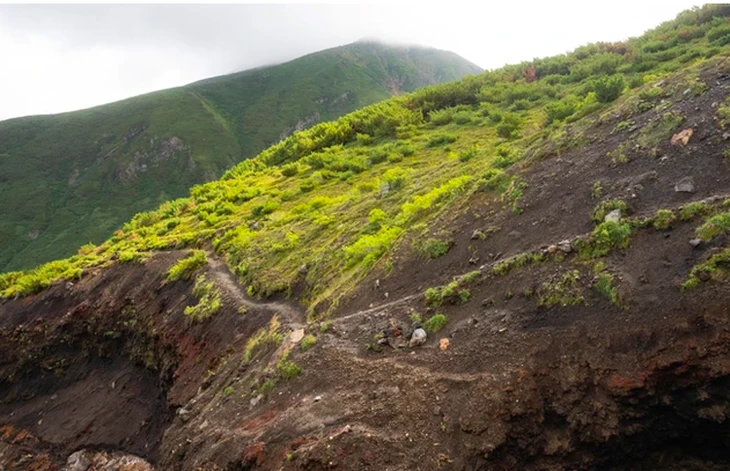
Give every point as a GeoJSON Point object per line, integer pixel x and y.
{"type": "Point", "coordinates": [434, 248]}
{"type": "Point", "coordinates": [440, 139]}
{"type": "Point", "coordinates": [714, 226]}
{"type": "Point", "coordinates": [664, 219]}
{"type": "Point", "coordinates": [186, 267]}
{"type": "Point", "coordinates": [559, 110]}
{"type": "Point", "coordinates": [604, 238]}
{"type": "Point", "coordinates": [209, 300]}
{"type": "Point", "coordinates": [370, 247]}
{"type": "Point", "coordinates": [307, 342]}
{"type": "Point", "coordinates": [609, 88]}
{"type": "Point", "coordinates": [605, 207]}
{"type": "Point", "coordinates": [395, 178]}
{"type": "Point", "coordinates": [435, 323]}
{"type": "Point", "coordinates": [510, 126]}
{"type": "Point", "coordinates": [287, 368]}
{"type": "Point", "coordinates": [270, 336]}
{"type": "Point", "coordinates": [691, 210]}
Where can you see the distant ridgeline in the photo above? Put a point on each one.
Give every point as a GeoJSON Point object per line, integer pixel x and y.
{"type": "Point", "coordinates": [74, 178]}
{"type": "Point", "coordinates": [318, 210]}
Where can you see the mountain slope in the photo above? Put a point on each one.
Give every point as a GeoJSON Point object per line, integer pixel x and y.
{"type": "Point", "coordinates": [558, 227]}
{"type": "Point", "coordinates": [76, 177]}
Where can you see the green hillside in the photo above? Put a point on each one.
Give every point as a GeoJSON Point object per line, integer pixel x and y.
{"type": "Point", "coordinates": [74, 178]}
{"type": "Point", "coordinates": [316, 212]}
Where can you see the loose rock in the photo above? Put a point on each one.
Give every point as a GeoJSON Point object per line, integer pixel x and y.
{"type": "Point", "coordinates": [613, 216]}
{"type": "Point", "coordinates": [685, 185]}
{"type": "Point", "coordinates": [443, 344]}
{"type": "Point", "coordinates": [418, 338]}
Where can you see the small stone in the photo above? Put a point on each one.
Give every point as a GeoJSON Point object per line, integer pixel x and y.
{"type": "Point", "coordinates": [682, 137]}
{"type": "Point", "coordinates": [695, 242]}
{"type": "Point", "coordinates": [443, 344]}
{"type": "Point", "coordinates": [317, 398]}
{"type": "Point", "coordinates": [477, 234]}
{"type": "Point", "coordinates": [437, 411]}
{"type": "Point", "coordinates": [726, 136]}
{"type": "Point", "coordinates": [255, 400]}
{"type": "Point", "coordinates": [296, 336]}
{"type": "Point", "coordinates": [565, 246]}
{"type": "Point", "coordinates": [685, 185]}
{"type": "Point", "coordinates": [613, 216]}
{"type": "Point", "coordinates": [184, 414]}
{"type": "Point", "coordinates": [418, 338]}
{"type": "Point", "coordinates": [552, 249]}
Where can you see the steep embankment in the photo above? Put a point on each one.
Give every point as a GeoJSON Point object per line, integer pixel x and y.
{"type": "Point", "coordinates": [570, 272]}
{"type": "Point", "coordinates": [74, 178]}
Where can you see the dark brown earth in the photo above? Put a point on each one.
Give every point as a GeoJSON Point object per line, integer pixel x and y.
{"type": "Point", "coordinates": [111, 363]}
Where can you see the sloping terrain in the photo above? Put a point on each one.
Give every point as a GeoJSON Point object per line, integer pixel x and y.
{"type": "Point", "coordinates": [567, 256]}
{"type": "Point", "coordinates": [74, 178]}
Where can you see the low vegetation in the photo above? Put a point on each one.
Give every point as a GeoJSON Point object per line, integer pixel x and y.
{"type": "Point", "coordinates": [265, 336]}
{"type": "Point", "coordinates": [435, 323]}
{"type": "Point", "coordinates": [564, 292]}
{"type": "Point", "coordinates": [209, 300]}
{"type": "Point", "coordinates": [186, 267]}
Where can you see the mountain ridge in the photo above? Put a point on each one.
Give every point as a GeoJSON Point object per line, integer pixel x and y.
{"type": "Point", "coordinates": [75, 177]}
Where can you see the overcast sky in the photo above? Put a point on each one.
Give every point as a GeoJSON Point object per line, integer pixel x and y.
{"type": "Point", "coordinates": [59, 58]}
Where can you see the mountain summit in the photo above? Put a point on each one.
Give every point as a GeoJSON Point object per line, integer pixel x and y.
{"type": "Point", "coordinates": [74, 178]}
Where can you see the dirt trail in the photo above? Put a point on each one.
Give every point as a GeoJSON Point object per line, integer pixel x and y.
{"type": "Point", "coordinates": [223, 277]}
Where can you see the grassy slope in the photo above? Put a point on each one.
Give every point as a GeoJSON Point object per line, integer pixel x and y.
{"type": "Point", "coordinates": [337, 199]}
{"type": "Point", "coordinates": [76, 177]}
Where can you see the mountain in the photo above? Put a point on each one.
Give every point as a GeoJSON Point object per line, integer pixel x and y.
{"type": "Point", "coordinates": [74, 178]}
{"type": "Point", "coordinates": [525, 269]}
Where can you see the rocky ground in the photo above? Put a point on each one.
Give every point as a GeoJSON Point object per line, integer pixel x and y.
{"type": "Point", "coordinates": [108, 373]}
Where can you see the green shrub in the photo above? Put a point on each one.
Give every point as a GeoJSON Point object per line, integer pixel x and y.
{"type": "Point", "coordinates": [517, 261]}
{"type": "Point", "coordinates": [564, 292]}
{"type": "Point", "coordinates": [435, 323]}
{"type": "Point", "coordinates": [468, 154]}
{"type": "Point", "coordinates": [605, 237]}
{"type": "Point", "coordinates": [289, 170]}
{"type": "Point", "coordinates": [694, 209]}
{"type": "Point", "coordinates": [264, 208]}
{"type": "Point", "coordinates": [267, 336]}
{"type": "Point", "coordinates": [604, 207]}
{"type": "Point", "coordinates": [287, 368]}
{"type": "Point", "coordinates": [186, 267]}
{"type": "Point", "coordinates": [440, 139]}
{"type": "Point", "coordinates": [559, 110]}
{"type": "Point", "coordinates": [307, 342]}
{"type": "Point", "coordinates": [664, 219]}
{"type": "Point", "coordinates": [609, 88]}
{"type": "Point", "coordinates": [434, 248]}
{"type": "Point", "coordinates": [715, 269]}
{"type": "Point", "coordinates": [395, 178]}
{"type": "Point", "coordinates": [132, 256]}
{"type": "Point", "coordinates": [368, 248]}
{"type": "Point", "coordinates": [509, 127]}
{"type": "Point", "coordinates": [495, 180]}
{"type": "Point", "coordinates": [604, 286]}
{"type": "Point", "coordinates": [714, 226]}
{"type": "Point", "coordinates": [209, 300]}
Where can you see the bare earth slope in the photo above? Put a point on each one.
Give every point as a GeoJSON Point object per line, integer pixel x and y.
{"type": "Point", "coordinates": [542, 370]}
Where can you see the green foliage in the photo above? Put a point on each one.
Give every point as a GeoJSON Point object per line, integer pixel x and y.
{"type": "Point", "coordinates": [564, 292]}
{"type": "Point", "coordinates": [433, 248]}
{"type": "Point", "coordinates": [603, 284]}
{"type": "Point", "coordinates": [664, 219]}
{"type": "Point", "coordinates": [714, 226]}
{"type": "Point", "coordinates": [606, 237]}
{"type": "Point", "coordinates": [604, 207]}
{"type": "Point", "coordinates": [517, 261]}
{"type": "Point", "coordinates": [307, 342]}
{"type": "Point", "coordinates": [209, 300]}
{"type": "Point", "coordinates": [435, 323]}
{"type": "Point", "coordinates": [560, 110]}
{"type": "Point", "coordinates": [185, 268]}
{"type": "Point", "coordinates": [509, 127]}
{"type": "Point", "coordinates": [450, 293]}
{"type": "Point", "coordinates": [440, 140]}
{"type": "Point", "coordinates": [370, 247]}
{"type": "Point", "coordinates": [659, 130]}
{"type": "Point", "coordinates": [694, 209]}
{"type": "Point", "coordinates": [609, 88]}
{"type": "Point", "coordinates": [597, 190]}
{"type": "Point", "coordinates": [287, 368]}
{"type": "Point", "coordinates": [714, 269]}
{"type": "Point", "coordinates": [263, 337]}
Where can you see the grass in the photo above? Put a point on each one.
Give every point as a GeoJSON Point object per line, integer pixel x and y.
{"type": "Point", "coordinates": [606, 237]}
{"type": "Point", "coordinates": [287, 368]}
{"type": "Point", "coordinates": [263, 337]}
{"type": "Point", "coordinates": [209, 300]}
{"type": "Point", "coordinates": [564, 292]}
{"type": "Point", "coordinates": [185, 268]}
{"type": "Point", "coordinates": [433, 248]}
{"type": "Point", "coordinates": [693, 210]}
{"type": "Point", "coordinates": [715, 269]}
{"type": "Point", "coordinates": [714, 226]}
{"type": "Point", "coordinates": [517, 261]}
{"type": "Point", "coordinates": [664, 219]}
{"type": "Point", "coordinates": [77, 177]}
{"type": "Point", "coordinates": [435, 323]}
{"type": "Point", "coordinates": [307, 342]}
